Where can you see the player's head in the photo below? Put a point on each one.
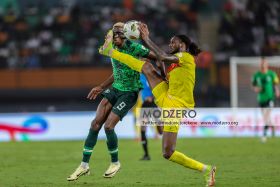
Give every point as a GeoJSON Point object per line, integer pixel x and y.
{"type": "Point", "coordinates": [180, 43]}
{"type": "Point", "coordinates": [118, 25]}
{"type": "Point", "coordinates": [263, 65]}
{"type": "Point", "coordinates": [118, 35]}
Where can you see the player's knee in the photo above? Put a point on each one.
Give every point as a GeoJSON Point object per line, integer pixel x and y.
{"type": "Point", "coordinates": [95, 125]}
{"type": "Point", "coordinates": [167, 152]}
{"type": "Point", "coordinates": [104, 102]}
{"type": "Point", "coordinates": [108, 126]}
{"type": "Point", "coordinates": [148, 68]}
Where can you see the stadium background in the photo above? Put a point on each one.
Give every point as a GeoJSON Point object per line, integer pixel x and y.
{"type": "Point", "coordinates": [49, 63]}
{"type": "Point", "coordinates": [48, 49]}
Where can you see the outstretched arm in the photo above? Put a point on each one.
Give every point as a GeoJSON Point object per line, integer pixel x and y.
{"type": "Point", "coordinates": [161, 55]}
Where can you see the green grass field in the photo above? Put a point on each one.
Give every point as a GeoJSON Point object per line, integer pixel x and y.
{"type": "Point", "coordinates": [240, 162]}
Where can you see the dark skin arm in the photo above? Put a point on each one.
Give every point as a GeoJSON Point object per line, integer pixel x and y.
{"type": "Point", "coordinates": [99, 89]}
{"type": "Point", "coordinates": [160, 54]}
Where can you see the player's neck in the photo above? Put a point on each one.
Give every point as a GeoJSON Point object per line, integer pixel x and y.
{"type": "Point", "coordinates": [264, 71]}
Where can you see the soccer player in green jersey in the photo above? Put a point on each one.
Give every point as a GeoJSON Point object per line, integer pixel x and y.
{"type": "Point", "coordinates": [265, 83]}
{"type": "Point", "coordinates": [117, 101]}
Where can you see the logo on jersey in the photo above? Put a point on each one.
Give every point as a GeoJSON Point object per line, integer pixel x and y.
{"type": "Point", "coordinates": [107, 91]}
{"type": "Point", "coordinates": [268, 78]}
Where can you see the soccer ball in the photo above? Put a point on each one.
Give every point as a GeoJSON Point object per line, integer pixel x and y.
{"type": "Point", "coordinates": [131, 30]}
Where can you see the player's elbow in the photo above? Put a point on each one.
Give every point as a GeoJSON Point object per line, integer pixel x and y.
{"type": "Point", "coordinates": [162, 57]}
{"type": "Point", "coordinates": [148, 69]}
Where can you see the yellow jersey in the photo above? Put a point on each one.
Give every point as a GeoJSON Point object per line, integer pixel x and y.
{"type": "Point", "coordinates": [181, 78]}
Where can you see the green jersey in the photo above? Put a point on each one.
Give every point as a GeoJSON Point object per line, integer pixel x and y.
{"type": "Point", "coordinates": [126, 79]}
{"type": "Point", "coordinates": [266, 82]}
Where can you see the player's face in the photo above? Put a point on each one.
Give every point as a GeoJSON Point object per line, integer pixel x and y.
{"type": "Point", "coordinates": [264, 65]}
{"type": "Point", "coordinates": [174, 45]}
{"type": "Point", "coordinates": [118, 36]}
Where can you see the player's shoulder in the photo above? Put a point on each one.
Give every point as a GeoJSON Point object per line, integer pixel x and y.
{"type": "Point", "coordinates": [185, 56]}
{"type": "Point", "coordinates": [271, 72]}
{"type": "Point", "coordinates": [257, 73]}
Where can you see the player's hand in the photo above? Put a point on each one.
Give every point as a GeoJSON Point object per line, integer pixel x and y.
{"type": "Point", "coordinates": [109, 35]}
{"type": "Point", "coordinates": [144, 31]}
{"type": "Point", "coordinates": [257, 89]}
{"type": "Point", "coordinates": [95, 92]}
{"type": "Point", "coordinates": [277, 93]}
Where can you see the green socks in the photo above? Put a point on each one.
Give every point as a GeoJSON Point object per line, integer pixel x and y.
{"type": "Point", "coordinates": [89, 144]}
{"type": "Point", "coordinates": [112, 144]}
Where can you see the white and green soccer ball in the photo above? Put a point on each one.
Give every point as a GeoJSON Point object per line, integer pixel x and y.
{"type": "Point", "coordinates": [131, 30]}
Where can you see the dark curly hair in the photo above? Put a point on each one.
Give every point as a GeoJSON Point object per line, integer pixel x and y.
{"type": "Point", "coordinates": [191, 46]}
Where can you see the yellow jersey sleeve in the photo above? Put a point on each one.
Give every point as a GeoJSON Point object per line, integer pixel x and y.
{"type": "Point", "coordinates": [276, 79]}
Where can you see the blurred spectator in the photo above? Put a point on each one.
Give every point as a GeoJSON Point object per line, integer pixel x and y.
{"type": "Point", "coordinates": [68, 33]}
{"type": "Point", "coordinates": [249, 28]}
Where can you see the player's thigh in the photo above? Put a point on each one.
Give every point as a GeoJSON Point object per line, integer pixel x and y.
{"type": "Point", "coordinates": [124, 103]}
{"type": "Point", "coordinates": [103, 110]}
{"type": "Point", "coordinates": [111, 94]}
{"type": "Point", "coordinates": [151, 74]}
{"type": "Point", "coordinates": [111, 121]}
{"type": "Point", "coordinates": [160, 94]}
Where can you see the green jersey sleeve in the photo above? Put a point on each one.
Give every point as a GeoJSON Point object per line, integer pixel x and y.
{"type": "Point", "coordinates": [254, 80]}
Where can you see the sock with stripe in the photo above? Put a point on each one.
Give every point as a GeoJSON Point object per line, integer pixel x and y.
{"type": "Point", "coordinates": [112, 144]}
{"type": "Point", "coordinates": [89, 144]}
{"type": "Point", "coordinates": [185, 161]}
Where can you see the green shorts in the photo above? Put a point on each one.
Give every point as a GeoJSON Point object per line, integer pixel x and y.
{"type": "Point", "coordinates": [122, 101]}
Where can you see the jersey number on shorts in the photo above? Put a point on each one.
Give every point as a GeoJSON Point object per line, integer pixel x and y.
{"type": "Point", "coordinates": [121, 105]}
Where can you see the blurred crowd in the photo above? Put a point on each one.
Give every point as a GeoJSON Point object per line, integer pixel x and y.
{"type": "Point", "coordinates": [36, 34]}
{"type": "Point", "coordinates": [249, 28]}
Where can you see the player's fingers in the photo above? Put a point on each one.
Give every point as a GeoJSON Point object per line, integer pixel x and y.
{"type": "Point", "coordinates": [142, 26]}
{"type": "Point", "coordinates": [94, 96]}
{"type": "Point", "coordinates": [145, 26]}
{"type": "Point", "coordinates": [91, 93]}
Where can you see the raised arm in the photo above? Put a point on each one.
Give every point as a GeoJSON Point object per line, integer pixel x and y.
{"type": "Point", "coordinates": [160, 54]}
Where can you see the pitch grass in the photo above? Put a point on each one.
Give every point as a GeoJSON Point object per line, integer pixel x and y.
{"type": "Point", "coordinates": [240, 162]}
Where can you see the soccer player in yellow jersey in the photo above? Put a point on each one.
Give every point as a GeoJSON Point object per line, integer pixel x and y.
{"type": "Point", "coordinates": [177, 93]}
